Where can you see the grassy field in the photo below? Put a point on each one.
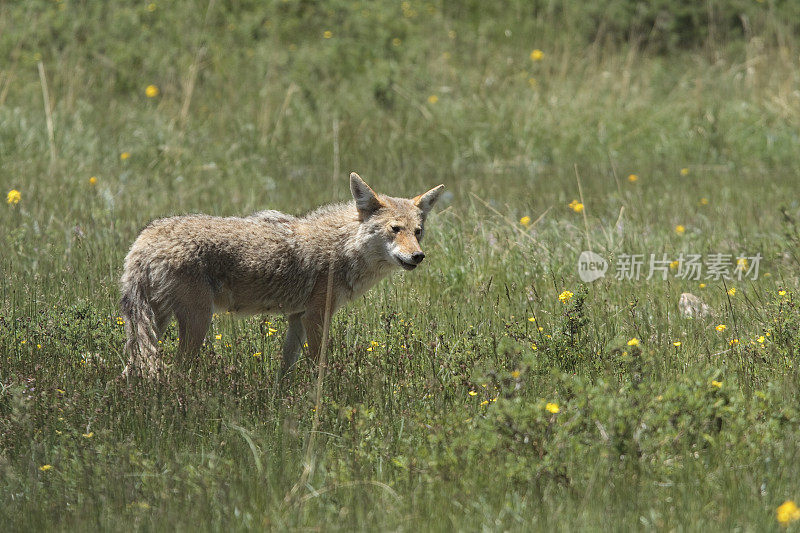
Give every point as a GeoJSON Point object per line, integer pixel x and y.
{"type": "Point", "coordinates": [490, 389]}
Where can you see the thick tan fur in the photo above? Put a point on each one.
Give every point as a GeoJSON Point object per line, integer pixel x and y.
{"type": "Point", "coordinates": [191, 266]}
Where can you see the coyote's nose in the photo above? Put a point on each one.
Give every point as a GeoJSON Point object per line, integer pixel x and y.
{"type": "Point", "coordinates": [417, 257]}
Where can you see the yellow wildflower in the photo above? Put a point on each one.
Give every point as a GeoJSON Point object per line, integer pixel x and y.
{"type": "Point", "coordinates": [733, 342]}
{"type": "Point", "coordinates": [787, 513]}
{"type": "Point", "coordinates": [13, 197]}
{"type": "Point", "coordinates": [515, 374]}
{"type": "Point", "coordinates": [781, 293]}
{"type": "Point", "coordinates": [218, 336]}
{"type": "Point", "coordinates": [485, 402]}
{"type": "Point", "coordinates": [124, 155]}
{"type": "Point", "coordinates": [717, 384]}
{"type": "Point", "coordinates": [257, 354]}
{"type": "Point", "coordinates": [537, 55]}
{"type": "Point", "coordinates": [408, 11]}
{"type": "Point", "coordinates": [552, 407]}
{"type": "Point", "coordinates": [151, 91]}
{"type": "Point", "coordinates": [684, 171]}
{"type": "Point", "coordinates": [760, 339]}
{"type": "Point", "coordinates": [565, 296]}
{"type": "Point", "coordinates": [472, 393]}
{"type": "Point", "coordinates": [45, 468]}
{"type": "Point", "coordinates": [327, 34]}
{"type": "Point", "coordinates": [633, 178]}
{"type": "Point", "coordinates": [534, 347]}
{"type": "Point", "coordinates": [732, 291]}
{"type": "Point", "coordinates": [680, 229]}
{"type": "Point", "coordinates": [151, 7]}
{"type": "Point", "coordinates": [88, 435]}
{"type": "Point", "coordinates": [525, 221]}
{"type": "Point", "coordinates": [704, 201]}
{"type": "Point", "coordinates": [532, 319]}
{"type": "Point", "coordinates": [675, 264]}
{"type": "Point", "coordinates": [676, 344]}
{"type": "Point", "coordinates": [396, 41]}
{"type": "Point", "coordinates": [576, 206]}
{"type": "Point", "coordinates": [633, 342]}
{"type": "Point", "coordinates": [432, 99]}
{"type": "Point", "coordinates": [93, 181]}
{"type": "Point", "coordinates": [722, 327]}
{"type": "Point", "coordinates": [702, 285]}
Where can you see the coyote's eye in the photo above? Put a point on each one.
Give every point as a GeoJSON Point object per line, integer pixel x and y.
{"type": "Point", "coordinates": [396, 229]}
{"type": "Point", "coordinates": [418, 232]}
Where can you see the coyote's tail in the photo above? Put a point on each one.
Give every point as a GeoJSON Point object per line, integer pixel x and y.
{"type": "Point", "coordinates": [141, 345]}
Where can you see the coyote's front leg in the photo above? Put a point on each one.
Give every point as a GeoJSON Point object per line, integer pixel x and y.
{"type": "Point", "coordinates": [313, 322]}
{"type": "Point", "coordinates": [320, 304]}
{"type": "Point", "coordinates": [293, 344]}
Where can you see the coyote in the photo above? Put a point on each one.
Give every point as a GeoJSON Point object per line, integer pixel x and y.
{"type": "Point", "coordinates": [268, 262]}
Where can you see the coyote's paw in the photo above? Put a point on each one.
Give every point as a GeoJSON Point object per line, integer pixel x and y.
{"type": "Point", "coordinates": [146, 367]}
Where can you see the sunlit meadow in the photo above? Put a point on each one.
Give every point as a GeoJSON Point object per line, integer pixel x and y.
{"type": "Point", "coordinates": [490, 389]}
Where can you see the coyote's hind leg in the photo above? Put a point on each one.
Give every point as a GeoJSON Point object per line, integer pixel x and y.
{"type": "Point", "coordinates": [194, 320]}
{"type": "Point", "coordinates": [163, 315]}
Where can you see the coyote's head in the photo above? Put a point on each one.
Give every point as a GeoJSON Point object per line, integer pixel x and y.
{"type": "Point", "coordinates": [393, 226]}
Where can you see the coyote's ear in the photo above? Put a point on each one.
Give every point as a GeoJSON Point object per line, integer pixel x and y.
{"type": "Point", "coordinates": [367, 201]}
{"type": "Point", "coordinates": [426, 201]}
